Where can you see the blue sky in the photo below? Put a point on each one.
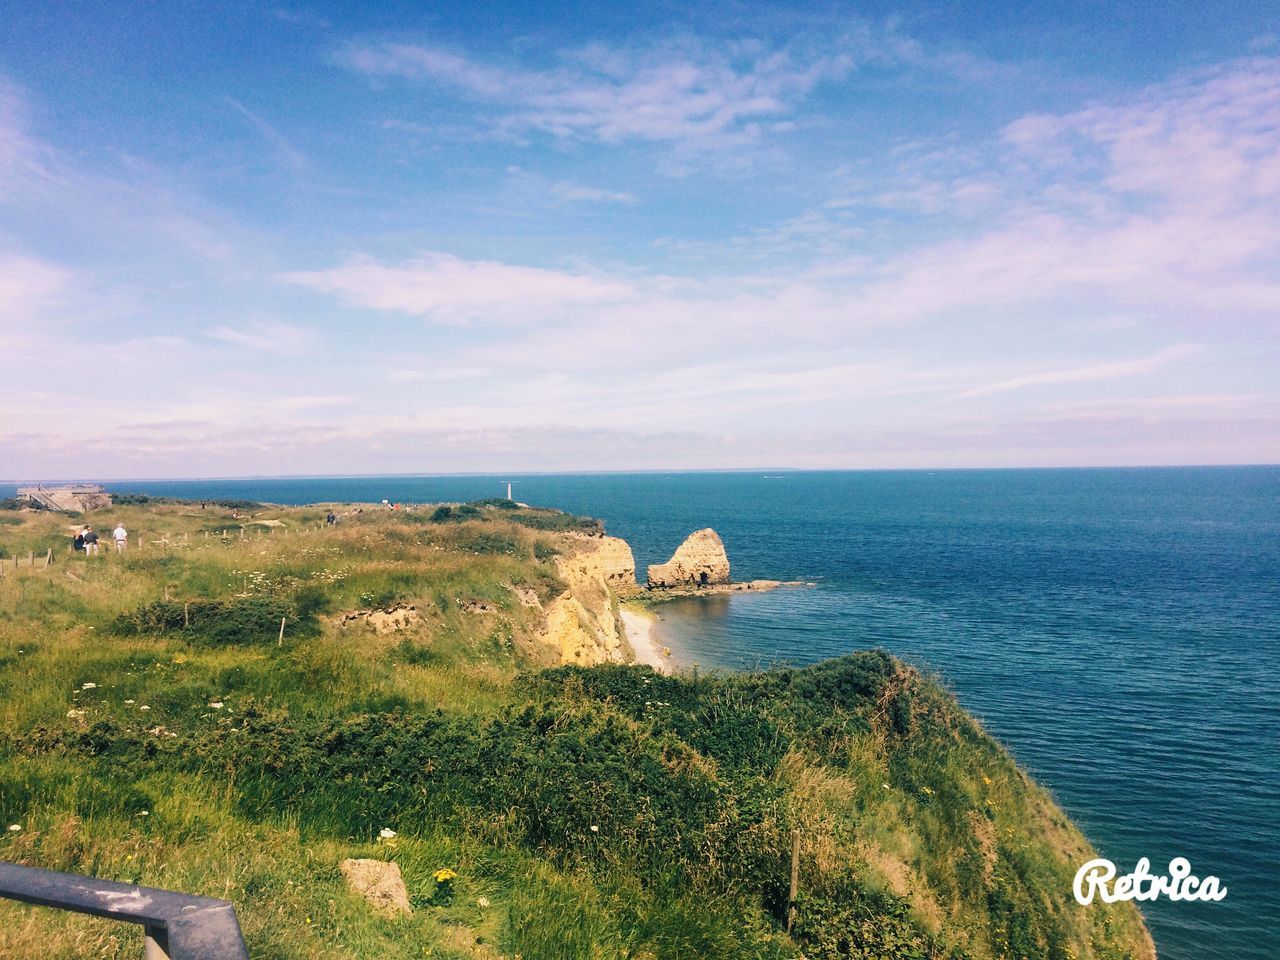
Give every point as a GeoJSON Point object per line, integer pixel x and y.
{"type": "Point", "coordinates": [390, 237]}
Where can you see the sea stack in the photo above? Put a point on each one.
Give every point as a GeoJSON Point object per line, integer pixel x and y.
{"type": "Point", "coordinates": [700, 561]}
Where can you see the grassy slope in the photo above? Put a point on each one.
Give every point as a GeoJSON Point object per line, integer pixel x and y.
{"type": "Point", "coordinates": [598, 813]}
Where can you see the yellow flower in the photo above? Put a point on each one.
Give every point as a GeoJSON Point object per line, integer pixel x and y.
{"type": "Point", "coordinates": [444, 876]}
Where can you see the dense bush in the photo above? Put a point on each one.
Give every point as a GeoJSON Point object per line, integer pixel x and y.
{"type": "Point", "coordinates": [240, 620]}
{"type": "Point", "coordinates": [552, 521]}
{"type": "Point", "coordinates": [446, 513]}
{"type": "Point", "coordinates": [844, 921]}
{"type": "Point", "coordinates": [146, 499]}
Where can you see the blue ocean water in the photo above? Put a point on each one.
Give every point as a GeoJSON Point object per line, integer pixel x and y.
{"type": "Point", "coordinates": [1118, 629]}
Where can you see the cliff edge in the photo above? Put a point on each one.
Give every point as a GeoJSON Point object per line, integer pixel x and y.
{"type": "Point", "coordinates": [583, 621]}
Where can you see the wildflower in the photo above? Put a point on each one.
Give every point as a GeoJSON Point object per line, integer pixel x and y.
{"type": "Point", "coordinates": [386, 833]}
{"type": "Point", "coordinates": [88, 686]}
{"type": "Point", "coordinates": [15, 827]}
{"type": "Point", "coordinates": [594, 828]}
{"type": "Point", "coordinates": [986, 780]}
{"type": "Point", "coordinates": [886, 786]}
{"type": "Point", "coordinates": [482, 902]}
{"type": "Point", "coordinates": [144, 707]}
{"type": "Point", "coordinates": [444, 876]}
{"type": "Point", "coordinates": [75, 714]}
{"type": "Point", "coordinates": [144, 813]}
{"type": "Point", "coordinates": [130, 702]}
{"type": "Point", "coordinates": [217, 704]}
{"type": "Point", "coordinates": [927, 791]}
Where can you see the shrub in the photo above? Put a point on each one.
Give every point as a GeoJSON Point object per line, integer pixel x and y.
{"type": "Point", "coordinates": [845, 921]}
{"type": "Point", "coordinates": [446, 513]}
{"type": "Point", "coordinates": [240, 620]}
{"type": "Point", "coordinates": [553, 521]}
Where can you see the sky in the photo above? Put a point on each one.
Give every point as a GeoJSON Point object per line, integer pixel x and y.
{"type": "Point", "coordinates": [258, 238]}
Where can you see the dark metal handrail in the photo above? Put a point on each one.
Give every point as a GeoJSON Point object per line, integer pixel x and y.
{"type": "Point", "coordinates": [178, 926]}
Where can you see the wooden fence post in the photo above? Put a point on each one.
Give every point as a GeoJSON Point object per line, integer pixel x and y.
{"type": "Point", "coordinates": [280, 639]}
{"type": "Point", "coordinates": [48, 557]}
{"type": "Point", "coordinates": [795, 878]}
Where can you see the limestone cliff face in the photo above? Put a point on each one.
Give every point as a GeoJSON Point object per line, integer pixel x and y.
{"type": "Point", "coordinates": [583, 622]}
{"type": "Point", "coordinates": [699, 561]}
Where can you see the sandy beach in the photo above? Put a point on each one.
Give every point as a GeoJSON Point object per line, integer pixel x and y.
{"type": "Point", "coordinates": [639, 628]}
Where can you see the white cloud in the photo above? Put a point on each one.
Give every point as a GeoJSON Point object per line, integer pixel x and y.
{"type": "Point", "coordinates": [568, 192]}
{"type": "Point", "coordinates": [1107, 370]}
{"type": "Point", "coordinates": [449, 290]}
{"type": "Point", "coordinates": [265, 337]}
{"type": "Point", "coordinates": [687, 93]}
{"type": "Point", "coordinates": [28, 285]}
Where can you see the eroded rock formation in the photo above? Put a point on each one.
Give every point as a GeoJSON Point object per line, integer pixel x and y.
{"type": "Point", "coordinates": [400, 616]}
{"type": "Point", "coordinates": [699, 561]}
{"type": "Point", "coordinates": [582, 622]}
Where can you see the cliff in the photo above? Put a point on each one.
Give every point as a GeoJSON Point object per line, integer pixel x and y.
{"type": "Point", "coordinates": [582, 623]}
{"type": "Point", "coordinates": [699, 561]}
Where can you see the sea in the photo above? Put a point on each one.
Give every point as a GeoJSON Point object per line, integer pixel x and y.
{"type": "Point", "coordinates": [1117, 629]}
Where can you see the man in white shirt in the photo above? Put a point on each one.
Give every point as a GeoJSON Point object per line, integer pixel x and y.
{"type": "Point", "coordinates": [122, 537]}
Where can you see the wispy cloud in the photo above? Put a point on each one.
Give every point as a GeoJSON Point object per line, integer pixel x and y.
{"type": "Point", "coordinates": [29, 284]}
{"type": "Point", "coordinates": [1108, 370]}
{"type": "Point", "coordinates": [688, 93]}
{"type": "Point", "coordinates": [288, 154]}
{"type": "Point", "coordinates": [449, 290]}
{"type": "Point", "coordinates": [564, 191]}
{"type": "Point", "coordinates": [265, 336]}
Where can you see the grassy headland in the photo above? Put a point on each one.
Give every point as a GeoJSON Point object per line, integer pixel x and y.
{"type": "Point", "coordinates": [154, 729]}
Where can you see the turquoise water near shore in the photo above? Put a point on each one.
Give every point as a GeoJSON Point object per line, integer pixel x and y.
{"type": "Point", "coordinates": [1118, 629]}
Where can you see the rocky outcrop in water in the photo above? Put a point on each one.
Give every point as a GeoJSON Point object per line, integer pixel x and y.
{"type": "Point", "coordinates": [699, 562]}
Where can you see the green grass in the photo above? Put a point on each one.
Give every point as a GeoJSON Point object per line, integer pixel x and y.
{"type": "Point", "coordinates": [155, 729]}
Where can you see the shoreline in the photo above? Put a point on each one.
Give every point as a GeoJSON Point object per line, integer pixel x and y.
{"type": "Point", "coordinates": [638, 625]}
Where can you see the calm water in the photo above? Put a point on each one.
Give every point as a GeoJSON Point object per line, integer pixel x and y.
{"type": "Point", "coordinates": [1118, 629]}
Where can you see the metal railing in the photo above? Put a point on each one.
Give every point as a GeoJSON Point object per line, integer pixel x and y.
{"type": "Point", "coordinates": [177, 926]}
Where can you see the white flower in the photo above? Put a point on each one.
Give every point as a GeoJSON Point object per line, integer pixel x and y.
{"type": "Point", "coordinates": [594, 828]}
{"type": "Point", "coordinates": [144, 813]}
{"type": "Point", "coordinates": [217, 704]}
{"type": "Point", "coordinates": [144, 707]}
{"type": "Point", "coordinates": [75, 714]}
{"type": "Point", "coordinates": [886, 786]}
{"type": "Point", "coordinates": [130, 701]}
{"type": "Point", "coordinates": [386, 833]}
{"type": "Point", "coordinates": [87, 686]}
{"type": "Point", "coordinates": [482, 902]}
{"type": "Point", "coordinates": [15, 827]}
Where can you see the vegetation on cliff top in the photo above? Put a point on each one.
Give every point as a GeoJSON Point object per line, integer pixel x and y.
{"type": "Point", "coordinates": [154, 729]}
